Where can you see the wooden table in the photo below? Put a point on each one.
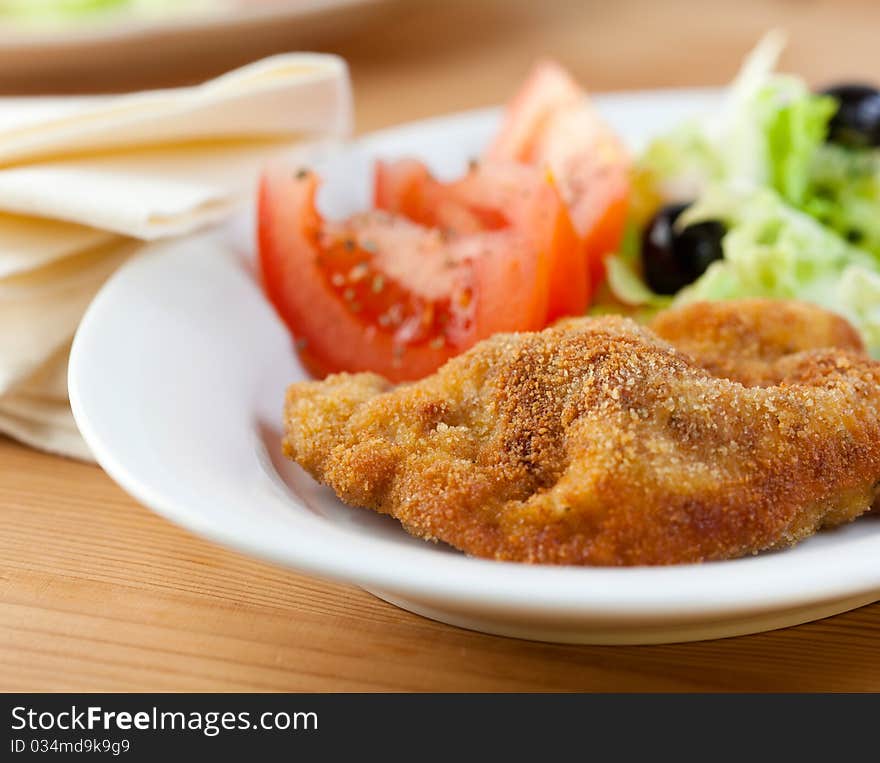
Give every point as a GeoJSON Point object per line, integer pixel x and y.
{"type": "Point", "coordinates": [97, 593]}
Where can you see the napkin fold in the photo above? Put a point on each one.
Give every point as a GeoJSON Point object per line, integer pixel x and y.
{"type": "Point", "coordinates": [37, 411]}
{"type": "Point", "coordinates": [45, 425]}
{"type": "Point", "coordinates": [28, 243]}
{"type": "Point", "coordinates": [83, 181]}
{"type": "Point", "coordinates": [168, 191]}
{"type": "Point", "coordinates": [40, 309]}
{"type": "Point", "coordinates": [292, 94]}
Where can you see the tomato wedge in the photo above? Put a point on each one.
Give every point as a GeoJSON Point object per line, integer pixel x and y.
{"type": "Point", "coordinates": [551, 123]}
{"type": "Point", "coordinates": [548, 88]}
{"type": "Point", "coordinates": [407, 187]}
{"type": "Point", "coordinates": [513, 245]}
{"type": "Point", "coordinates": [495, 196]}
{"type": "Point", "coordinates": [380, 293]}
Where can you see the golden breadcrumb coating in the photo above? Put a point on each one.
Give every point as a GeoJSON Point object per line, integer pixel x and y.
{"type": "Point", "coordinates": [596, 442]}
{"type": "Point", "coordinates": [743, 339]}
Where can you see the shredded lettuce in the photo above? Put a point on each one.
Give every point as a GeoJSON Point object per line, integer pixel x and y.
{"type": "Point", "coordinates": [765, 136]}
{"type": "Point", "coordinates": [728, 145]}
{"type": "Point", "coordinates": [803, 215]}
{"type": "Point", "coordinates": [774, 250]}
{"type": "Point", "coordinates": [628, 287]}
{"type": "Point", "coordinates": [769, 133]}
{"type": "Point", "coordinates": [844, 194]}
{"type": "Point", "coordinates": [794, 132]}
{"type": "Point", "coordinates": [625, 282]}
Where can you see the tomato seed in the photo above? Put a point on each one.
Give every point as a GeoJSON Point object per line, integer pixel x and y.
{"type": "Point", "coordinates": [358, 272]}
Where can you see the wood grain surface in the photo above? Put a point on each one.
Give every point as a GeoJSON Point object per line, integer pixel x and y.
{"type": "Point", "coordinates": [99, 594]}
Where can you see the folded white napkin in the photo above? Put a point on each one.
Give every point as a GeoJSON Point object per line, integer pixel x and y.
{"type": "Point", "coordinates": [27, 243]}
{"type": "Point", "coordinates": [167, 190]}
{"type": "Point", "coordinates": [37, 412]}
{"type": "Point", "coordinates": [40, 309]}
{"type": "Point", "coordinates": [83, 179]}
{"type": "Point", "coordinates": [164, 162]}
{"type": "Point", "coordinates": [298, 93]}
{"type": "Point", "coordinates": [47, 425]}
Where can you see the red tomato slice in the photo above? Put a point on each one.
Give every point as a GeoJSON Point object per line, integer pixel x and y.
{"type": "Point", "coordinates": [399, 187]}
{"type": "Point", "coordinates": [380, 293]}
{"type": "Point", "coordinates": [550, 123]}
{"type": "Point", "coordinates": [493, 197]}
{"type": "Point", "coordinates": [518, 196]}
{"type": "Point", "coordinates": [406, 187]}
{"type": "Point", "coordinates": [548, 88]}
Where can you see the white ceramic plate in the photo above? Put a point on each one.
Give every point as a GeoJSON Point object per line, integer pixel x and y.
{"type": "Point", "coordinates": [177, 379]}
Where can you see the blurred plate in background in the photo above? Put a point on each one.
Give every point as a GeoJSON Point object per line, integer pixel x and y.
{"type": "Point", "coordinates": [121, 44]}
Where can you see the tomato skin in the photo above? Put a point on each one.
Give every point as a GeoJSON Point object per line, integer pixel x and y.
{"type": "Point", "coordinates": [604, 232]}
{"type": "Point", "coordinates": [571, 282]}
{"type": "Point", "coordinates": [399, 188]}
{"type": "Point", "coordinates": [547, 88]}
{"type": "Point", "coordinates": [496, 196]}
{"type": "Point", "coordinates": [516, 243]}
{"type": "Point", "coordinates": [529, 201]}
{"type": "Point", "coordinates": [550, 123]}
{"type": "Point", "coordinates": [329, 338]}
{"type": "Point", "coordinates": [503, 274]}
{"type": "Point", "coordinates": [407, 187]}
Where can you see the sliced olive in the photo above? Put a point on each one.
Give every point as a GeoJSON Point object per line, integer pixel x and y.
{"type": "Point", "coordinates": [857, 121]}
{"type": "Point", "coordinates": [673, 259]}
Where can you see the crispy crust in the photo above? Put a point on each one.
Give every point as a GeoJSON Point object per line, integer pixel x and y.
{"type": "Point", "coordinates": [743, 339]}
{"type": "Point", "coordinates": [598, 443]}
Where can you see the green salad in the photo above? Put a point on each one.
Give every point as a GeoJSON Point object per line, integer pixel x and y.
{"type": "Point", "coordinates": [54, 13]}
{"type": "Point", "coordinates": [775, 195]}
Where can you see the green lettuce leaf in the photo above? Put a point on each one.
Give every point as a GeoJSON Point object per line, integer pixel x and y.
{"type": "Point", "coordinates": [769, 133]}
{"type": "Point", "coordinates": [844, 194]}
{"type": "Point", "coordinates": [794, 132]}
{"type": "Point", "coordinates": [729, 145]}
{"type": "Point", "coordinates": [803, 215]}
{"type": "Point", "coordinates": [773, 250]}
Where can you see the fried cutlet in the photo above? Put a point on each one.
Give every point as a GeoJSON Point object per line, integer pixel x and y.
{"type": "Point", "coordinates": [597, 442]}
{"type": "Point", "coordinates": [745, 339]}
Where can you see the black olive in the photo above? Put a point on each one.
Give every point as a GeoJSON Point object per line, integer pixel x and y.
{"type": "Point", "coordinates": [672, 259]}
{"type": "Point", "coordinates": [857, 121]}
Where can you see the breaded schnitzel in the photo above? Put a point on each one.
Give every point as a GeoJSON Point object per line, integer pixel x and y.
{"type": "Point", "coordinates": [597, 442]}
{"type": "Point", "coordinates": [744, 339]}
